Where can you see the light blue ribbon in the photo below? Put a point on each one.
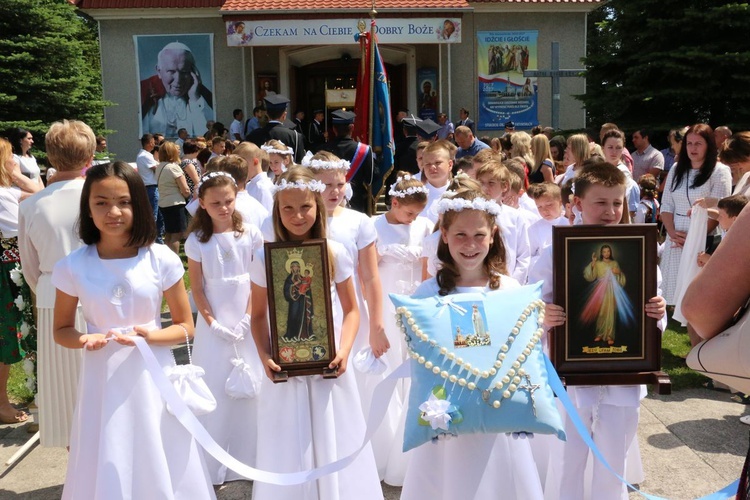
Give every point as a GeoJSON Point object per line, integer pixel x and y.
{"type": "Point", "coordinates": [554, 381]}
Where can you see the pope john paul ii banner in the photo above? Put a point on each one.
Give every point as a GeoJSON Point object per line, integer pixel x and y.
{"type": "Point", "coordinates": [504, 93]}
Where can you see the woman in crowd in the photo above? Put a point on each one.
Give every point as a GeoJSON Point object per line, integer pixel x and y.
{"type": "Point", "coordinates": [543, 169]}
{"type": "Point", "coordinates": [190, 165]}
{"type": "Point", "coordinates": [22, 140]}
{"type": "Point", "coordinates": [696, 174]}
{"type": "Point", "coordinates": [736, 153]}
{"type": "Point", "coordinates": [173, 189]}
{"type": "Point", "coordinates": [11, 179]}
{"type": "Point", "coordinates": [46, 234]}
{"type": "Point", "coordinates": [576, 152]}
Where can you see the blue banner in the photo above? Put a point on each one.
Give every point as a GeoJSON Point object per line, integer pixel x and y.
{"type": "Point", "coordinates": [382, 124]}
{"type": "Point", "coordinates": [504, 93]}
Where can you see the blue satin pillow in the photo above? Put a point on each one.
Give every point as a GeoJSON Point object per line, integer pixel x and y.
{"type": "Point", "coordinates": [477, 365]}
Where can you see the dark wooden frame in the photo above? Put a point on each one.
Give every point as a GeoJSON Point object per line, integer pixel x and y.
{"type": "Point", "coordinates": [643, 368]}
{"type": "Point", "coordinates": [259, 79]}
{"type": "Point", "coordinates": [278, 252]}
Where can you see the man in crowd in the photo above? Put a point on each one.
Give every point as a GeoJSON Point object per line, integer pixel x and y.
{"type": "Point", "coordinates": [721, 134]}
{"type": "Point", "coordinates": [146, 165]}
{"type": "Point", "coordinates": [175, 98]}
{"type": "Point", "coordinates": [254, 122]}
{"type": "Point", "coordinates": [646, 158]}
{"type": "Point", "coordinates": [362, 173]}
{"type": "Point", "coordinates": [446, 128]}
{"type": "Point", "coordinates": [465, 121]}
{"type": "Point", "coordinates": [316, 136]}
{"type": "Point", "coordinates": [276, 109]}
{"type": "Point", "coordinates": [467, 144]}
{"type": "Point", "coordinates": [235, 128]}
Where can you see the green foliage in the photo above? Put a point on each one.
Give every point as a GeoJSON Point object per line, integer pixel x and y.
{"type": "Point", "coordinates": [675, 347]}
{"type": "Point", "coordinates": [49, 66]}
{"type": "Point", "coordinates": [668, 63]}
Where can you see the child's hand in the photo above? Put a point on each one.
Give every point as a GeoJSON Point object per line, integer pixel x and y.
{"type": "Point", "coordinates": [703, 258]}
{"type": "Point", "coordinates": [243, 327]}
{"type": "Point", "coordinates": [656, 307]}
{"type": "Point", "coordinates": [554, 315]}
{"type": "Point", "coordinates": [270, 367]}
{"type": "Point", "coordinates": [341, 361]}
{"type": "Point", "coordinates": [93, 341]}
{"type": "Point", "coordinates": [225, 333]}
{"type": "Point", "coordinates": [378, 341]}
{"type": "Point", "coordinates": [127, 339]}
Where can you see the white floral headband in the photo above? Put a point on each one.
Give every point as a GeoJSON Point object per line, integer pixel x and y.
{"type": "Point", "coordinates": [459, 204]}
{"type": "Point", "coordinates": [313, 185]}
{"type": "Point", "coordinates": [214, 174]}
{"type": "Point", "coordinates": [271, 149]}
{"type": "Point", "coordinates": [403, 193]}
{"type": "Point", "coordinates": [308, 162]}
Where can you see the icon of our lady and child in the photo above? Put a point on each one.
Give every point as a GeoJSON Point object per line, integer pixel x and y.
{"type": "Point", "coordinates": [607, 303]}
{"type": "Point", "coordinates": [298, 293]}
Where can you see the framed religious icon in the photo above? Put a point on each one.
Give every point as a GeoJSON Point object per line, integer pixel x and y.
{"type": "Point", "coordinates": [603, 277]}
{"type": "Point", "coordinates": [267, 84]}
{"type": "Point", "coordinates": [300, 311]}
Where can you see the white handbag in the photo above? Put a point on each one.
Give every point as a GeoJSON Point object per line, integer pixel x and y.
{"type": "Point", "coordinates": [726, 357]}
{"type": "Point", "coordinates": [189, 384]}
{"type": "Point", "coordinates": [241, 383]}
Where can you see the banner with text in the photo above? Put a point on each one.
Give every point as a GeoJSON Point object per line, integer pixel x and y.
{"type": "Point", "coordinates": [341, 31]}
{"type": "Point", "coordinates": [504, 93]}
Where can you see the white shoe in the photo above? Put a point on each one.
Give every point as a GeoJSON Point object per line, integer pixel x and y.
{"type": "Point", "coordinates": [745, 420]}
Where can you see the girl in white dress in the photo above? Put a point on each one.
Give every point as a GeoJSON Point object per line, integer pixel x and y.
{"type": "Point", "coordinates": [124, 443]}
{"type": "Point", "coordinates": [356, 232]}
{"type": "Point", "coordinates": [219, 250]}
{"type": "Point", "coordinates": [401, 232]}
{"type": "Point", "coordinates": [279, 157]}
{"type": "Point", "coordinates": [310, 421]}
{"type": "Point", "coordinates": [471, 466]}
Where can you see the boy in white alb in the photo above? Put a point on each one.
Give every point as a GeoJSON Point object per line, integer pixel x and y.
{"type": "Point", "coordinates": [609, 412]}
{"type": "Point", "coordinates": [436, 174]}
{"type": "Point", "coordinates": [495, 180]}
{"type": "Point", "coordinates": [259, 185]}
{"type": "Point", "coordinates": [548, 202]}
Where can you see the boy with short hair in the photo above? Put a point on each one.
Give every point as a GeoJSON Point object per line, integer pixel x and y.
{"type": "Point", "coordinates": [726, 213]}
{"type": "Point", "coordinates": [259, 185]}
{"type": "Point", "coordinates": [495, 180]}
{"type": "Point", "coordinates": [547, 197]}
{"type": "Point", "coordinates": [420, 157]}
{"type": "Point", "coordinates": [517, 196]}
{"type": "Point", "coordinates": [600, 197]}
{"type": "Point", "coordinates": [436, 175]}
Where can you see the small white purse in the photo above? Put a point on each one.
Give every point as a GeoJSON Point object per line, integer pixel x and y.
{"type": "Point", "coordinates": [189, 384]}
{"type": "Point", "coordinates": [241, 383]}
{"type": "Point", "coordinates": [726, 357]}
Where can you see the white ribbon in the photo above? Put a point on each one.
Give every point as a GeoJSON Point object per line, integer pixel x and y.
{"type": "Point", "coordinates": [378, 408]}
{"type": "Point", "coordinates": [442, 303]}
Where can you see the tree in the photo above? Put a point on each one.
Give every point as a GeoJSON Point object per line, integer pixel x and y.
{"type": "Point", "coordinates": [49, 66]}
{"type": "Point", "coordinates": [668, 63]}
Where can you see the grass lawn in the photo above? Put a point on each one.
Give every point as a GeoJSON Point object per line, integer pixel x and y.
{"type": "Point", "coordinates": [675, 347]}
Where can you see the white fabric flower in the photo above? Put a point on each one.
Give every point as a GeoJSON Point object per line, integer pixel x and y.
{"type": "Point", "coordinates": [459, 204]}
{"type": "Point", "coordinates": [30, 384]}
{"type": "Point", "coordinates": [435, 411]}
{"type": "Point", "coordinates": [19, 302]}
{"type": "Point", "coordinates": [25, 329]}
{"type": "Point", "coordinates": [28, 367]}
{"type": "Point", "coordinates": [16, 276]}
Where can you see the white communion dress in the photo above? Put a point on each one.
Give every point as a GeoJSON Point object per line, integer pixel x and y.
{"type": "Point", "coordinates": [310, 421]}
{"type": "Point", "coordinates": [124, 443]}
{"type": "Point", "coordinates": [225, 262]}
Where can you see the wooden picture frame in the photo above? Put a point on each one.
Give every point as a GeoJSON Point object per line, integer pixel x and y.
{"type": "Point", "coordinates": [603, 277]}
{"type": "Point", "coordinates": [300, 310]}
{"type": "Point", "coordinates": [265, 84]}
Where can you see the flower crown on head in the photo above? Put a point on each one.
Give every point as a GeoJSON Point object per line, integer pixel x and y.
{"type": "Point", "coordinates": [271, 149]}
{"type": "Point", "coordinates": [214, 174]}
{"type": "Point", "coordinates": [313, 185]}
{"type": "Point", "coordinates": [459, 204]}
{"type": "Point", "coordinates": [403, 193]}
{"type": "Point", "coordinates": [308, 162]}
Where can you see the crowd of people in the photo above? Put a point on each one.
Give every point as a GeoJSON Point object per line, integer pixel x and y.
{"type": "Point", "coordinates": [88, 246]}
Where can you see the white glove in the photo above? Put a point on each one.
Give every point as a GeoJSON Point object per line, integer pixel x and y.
{"type": "Point", "coordinates": [225, 333]}
{"type": "Point", "coordinates": [243, 327]}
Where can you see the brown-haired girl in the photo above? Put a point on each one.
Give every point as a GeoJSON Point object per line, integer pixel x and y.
{"type": "Point", "coordinates": [280, 157]}
{"type": "Point", "coordinates": [310, 421]}
{"type": "Point", "coordinates": [219, 250]}
{"type": "Point", "coordinates": [473, 259]}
